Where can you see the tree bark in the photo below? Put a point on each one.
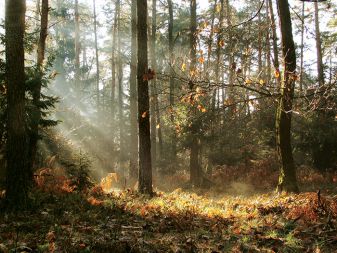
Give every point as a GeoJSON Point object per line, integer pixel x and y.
{"type": "Point", "coordinates": [268, 54]}
{"type": "Point", "coordinates": [18, 176]}
{"type": "Point", "coordinates": [145, 166]}
{"type": "Point", "coordinates": [133, 94]}
{"type": "Point", "coordinates": [153, 85]}
{"type": "Point", "coordinates": [320, 67]}
{"type": "Point", "coordinates": [302, 48]}
{"type": "Point", "coordinates": [287, 177]}
{"type": "Point", "coordinates": [96, 57]}
{"type": "Point", "coordinates": [172, 84]}
{"type": "Point", "coordinates": [195, 174]}
{"type": "Point", "coordinates": [231, 94]}
{"type": "Point", "coordinates": [113, 59]}
{"type": "Point", "coordinates": [122, 151]}
{"type": "Point", "coordinates": [77, 48]}
{"type": "Point", "coordinates": [276, 61]}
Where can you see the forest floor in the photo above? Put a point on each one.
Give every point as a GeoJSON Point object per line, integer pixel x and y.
{"type": "Point", "coordinates": [178, 221]}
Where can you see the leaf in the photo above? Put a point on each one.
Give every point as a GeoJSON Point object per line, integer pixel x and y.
{"type": "Point", "coordinates": [221, 43]}
{"type": "Point", "coordinates": [218, 8]}
{"type": "Point", "coordinates": [201, 108]}
{"type": "Point", "coordinates": [261, 82]}
{"type": "Point", "coordinates": [201, 60]}
{"type": "Point", "coordinates": [248, 82]}
{"type": "Point", "coordinates": [277, 73]}
{"type": "Point", "coordinates": [144, 115]}
{"type": "Point", "coordinates": [158, 126]}
{"type": "Point", "coordinates": [183, 67]}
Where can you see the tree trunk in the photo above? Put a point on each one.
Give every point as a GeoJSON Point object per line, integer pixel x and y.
{"type": "Point", "coordinates": [122, 151]}
{"type": "Point", "coordinates": [77, 48]}
{"type": "Point", "coordinates": [97, 59]}
{"type": "Point", "coordinates": [274, 34]}
{"type": "Point", "coordinates": [113, 59]}
{"type": "Point", "coordinates": [302, 47]}
{"type": "Point", "coordinates": [268, 54]}
{"type": "Point", "coordinates": [287, 177]}
{"type": "Point", "coordinates": [36, 92]}
{"type": "Point", "coordinates": [172, 88]}
{"type": "Point", "coordinates": [195, 175]}
{"type": "Point", "coordinates": [145, 166]}
{"type": "Point", "coordinates": [231, 70]}
{"type": "Point", "coordinates": [195, 170]}
{"type": "Point", "coordinates": [19, 173]}
{"type": "Point", "coordinates": [133, 94]}
{"type": "Point", "coordinates": [153, 85]}
{"type": "Point", "coordinates": [320, 67]}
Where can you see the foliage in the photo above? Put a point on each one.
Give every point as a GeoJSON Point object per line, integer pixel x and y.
{"type": "Point", "coordinates": [173, 222]}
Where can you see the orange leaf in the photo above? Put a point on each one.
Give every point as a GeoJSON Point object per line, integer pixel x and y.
{"type": "Point", "coordinates": [277, 73]}
{"type": "Point", "coordinates": [144, 115]}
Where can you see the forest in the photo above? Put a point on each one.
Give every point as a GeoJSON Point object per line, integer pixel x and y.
{"type": "Point", "coordinates": [176, 126]}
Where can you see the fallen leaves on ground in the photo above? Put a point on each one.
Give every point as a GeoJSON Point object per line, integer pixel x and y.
{"type": "Point", "coordinates": [180, 221]}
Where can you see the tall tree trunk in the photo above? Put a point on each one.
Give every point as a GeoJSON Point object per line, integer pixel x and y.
{"type": "Point", "coordinates": [259, 42]}
{"type": "Point", "coordinates": [113, 58]}
{"type": "Point", "coordinates": [195, 174]}
{"type": "Point", "coordinates": [18, 176]}
{"type": "Point", "coordinates": [153, 85]}
{"type": "Point", "coordinates": [287, 177]}
{"type": "Point", "coordinates": [36, 92]}
{"type": "Point", "coordinates": [172, 88]}
{"type": "Point", "coordinates": [145, 166]}
{"type": "Point", "coordinates": [320, 67]}
{"type": "Point", "coordinates": [274, 34]}
{"type": "Point", "coordinates": [77, 48]}
{"type": "Point", "coordinates": [120, 93]}
{"type": "Point", "coordinates": [231, 70]}
{"type": "Point", "coordinates": [302, 47]}
{"type": "Point", "coordinates": [268, 54]}
{"type": "Point", "coordinates": [96, 56]}
{"type": "Point", "coordinates": [133, 94]}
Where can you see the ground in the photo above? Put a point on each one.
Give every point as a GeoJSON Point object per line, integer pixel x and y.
{"type": "Point", "coordinates": [179, 221]}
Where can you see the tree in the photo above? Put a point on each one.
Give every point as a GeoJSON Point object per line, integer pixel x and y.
{"type": "Point", "coordinates": [133, 93]}
{"type": "Point", "coordinates": [171, 63]}
{"type": "Point", "coordinates": [18, 170]}
{"type": "Point", "coordinates": [287, 177]}
{"type": "Point", "coordinates": [77, 48]}
{"type": "Point", "coordinates": [145, 166]}
{"type": "Point", "coordinates": [96, 56]}
{"type": "Point", "coordinates": [320, 67]}
{"type": "Point", "coordinates": [195, 169]}
{"type": "Point", "coordinates": [153, 84]}
{"type": "Point", "coordinates": [274, 36]}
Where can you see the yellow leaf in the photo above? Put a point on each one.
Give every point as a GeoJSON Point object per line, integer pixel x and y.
{"type": "Point", "coordinates": [183, 67]}
{"type": "Point", "coordinates": [218, 8]}
{"type": "Point", "coordinates": [261, 82]}
{"type": "Point", "coordinates": [248, 82]}
{"type": "Point", "coordinates": [144, 115]}
{"type": "Point", "coordinates": [158, 126]}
